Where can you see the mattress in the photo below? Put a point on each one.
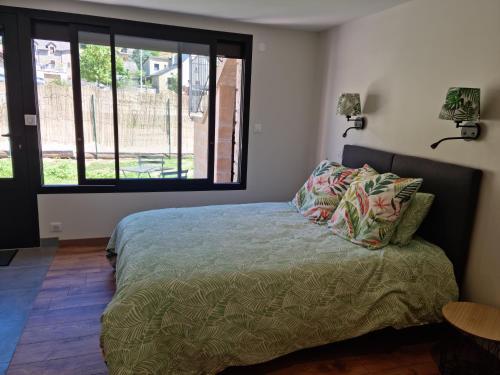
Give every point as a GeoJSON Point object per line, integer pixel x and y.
{"type": "Point", "coordinates": [200, 289]}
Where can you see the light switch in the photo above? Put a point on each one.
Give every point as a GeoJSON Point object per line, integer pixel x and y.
{"type": "Point", "coordinates": [30, 120]}
{"type": "Point", "coordinates": [257, 128]}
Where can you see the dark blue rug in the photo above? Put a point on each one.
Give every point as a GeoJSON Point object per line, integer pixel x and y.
{"type": "Point", "coordinates": [6, 257]}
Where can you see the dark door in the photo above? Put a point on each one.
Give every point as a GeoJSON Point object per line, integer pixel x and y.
{"type": "Point", "coordinates": [18, 210]}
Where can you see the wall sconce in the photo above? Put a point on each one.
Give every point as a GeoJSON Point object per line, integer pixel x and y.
{"type": "Point", "coordinates": [350, 105]}
{"type": "Point", "coordinates": [462, 104]}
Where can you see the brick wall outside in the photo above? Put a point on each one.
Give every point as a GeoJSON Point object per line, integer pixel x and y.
{"type": "Point", "coordinates": [227, 116]}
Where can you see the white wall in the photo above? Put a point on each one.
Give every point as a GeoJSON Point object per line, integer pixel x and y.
{"type": "Point", "coordinates": [284, 98]}
{"type": "Point", "coordinates": [402, 61]}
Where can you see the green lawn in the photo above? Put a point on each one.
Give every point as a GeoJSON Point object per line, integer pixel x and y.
{"type": "Point", "coordinates": [64, 171]}
{"type": "Point", "coordinates": [5, 168]}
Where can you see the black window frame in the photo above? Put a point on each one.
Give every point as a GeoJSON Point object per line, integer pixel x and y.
{"type": "Point", "coordinates": [29, 18]}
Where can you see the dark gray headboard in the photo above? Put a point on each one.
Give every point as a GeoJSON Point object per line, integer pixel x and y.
{"type": "Point", "coordinates": [450, 221]}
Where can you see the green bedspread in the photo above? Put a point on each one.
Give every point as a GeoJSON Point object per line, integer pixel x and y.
{"type": "Point", "coordinates": [201, 289]}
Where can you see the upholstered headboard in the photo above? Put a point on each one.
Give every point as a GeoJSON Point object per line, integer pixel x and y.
{"type": "Point", "coordinates": [450, 221]}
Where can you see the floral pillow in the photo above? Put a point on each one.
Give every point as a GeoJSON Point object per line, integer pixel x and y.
{"type": "Point", "coordinates": [364, 172]}
{"type": "Point", "coordinates": [412, 218]}
{"type": "Point", "coordinates": [322, 192]}
{"type": "Point", "coordinates": [371, 209]}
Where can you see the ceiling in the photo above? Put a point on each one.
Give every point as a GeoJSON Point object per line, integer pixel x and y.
{"type": "Point", "coordinates": [314, 15]}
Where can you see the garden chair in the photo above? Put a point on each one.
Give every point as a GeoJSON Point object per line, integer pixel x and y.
{"type": "Point", "coordinates": [174, 174]}
{"type": "Point", "coordinates": [146, 164]}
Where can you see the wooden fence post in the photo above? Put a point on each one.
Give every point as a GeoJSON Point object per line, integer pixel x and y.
{"type": "Point", "coordinates": [94, 127]}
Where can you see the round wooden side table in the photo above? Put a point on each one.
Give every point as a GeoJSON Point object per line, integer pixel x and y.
{"type": "Point", "coordinates": [473, 346]}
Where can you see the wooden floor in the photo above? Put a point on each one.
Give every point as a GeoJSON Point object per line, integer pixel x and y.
{"type": "Point", "coordinates": [62, 333]}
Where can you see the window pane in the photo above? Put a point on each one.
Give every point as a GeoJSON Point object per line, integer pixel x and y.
{"type": "Point", "coordinates": [147, 107]}
{"type": "Point", "coordinates": [228, 120]}
{"type": "Point", "coordinates": [5, 155]}
{"type": "Point", "coordinates": [155, 102]}
{"type": "Point", "coordinates": [195, 93]}
{"type": "Point", "coordinates": [55, 108]}
{"type": "Point", "coordinates": [97, 105]}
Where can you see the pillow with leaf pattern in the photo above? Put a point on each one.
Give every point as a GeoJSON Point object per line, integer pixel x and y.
{"type": "Point", "coordinates": [364, 172]}
{"type": "Point", "coordinates": [371, 209]}
{"type": "Point", "coordinates": [322, 192]}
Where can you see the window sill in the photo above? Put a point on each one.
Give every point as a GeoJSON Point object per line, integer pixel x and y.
{"type": "Point", "coordinates": [136, 188]}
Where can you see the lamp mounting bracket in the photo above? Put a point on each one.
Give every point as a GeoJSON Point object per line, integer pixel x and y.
{"type": "Point", "coordinates": [469, 132]}
{"type": "Point", "coordinates": [359, 123]}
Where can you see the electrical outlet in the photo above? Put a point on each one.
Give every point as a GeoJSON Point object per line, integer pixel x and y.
{"type": "Point", "coordinates": [55, 227]}
{"type": "Point", "coordinates": [470, 131]}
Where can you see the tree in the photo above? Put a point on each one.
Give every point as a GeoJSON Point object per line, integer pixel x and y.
{"type": "Point", "coordinates": [136, 56]}
{"type": "Point", "coordinates": [95, 64]}
{"type": "Point", "coordinates": [140, 57]}
{"type": "Point", "coordinates": [172, 83]}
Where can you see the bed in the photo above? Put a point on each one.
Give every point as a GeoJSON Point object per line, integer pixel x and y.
{"type": "Point", "coordinates": [200, 289]}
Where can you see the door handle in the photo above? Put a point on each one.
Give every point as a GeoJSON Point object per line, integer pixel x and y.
{"type": "Point", "coordinates": [6, 135]}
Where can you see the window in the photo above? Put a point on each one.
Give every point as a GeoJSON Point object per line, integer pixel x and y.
{"type": "Point", "coordinates": [5, 154]}
{"type": "Point", "coordinates": [109, 123]}
{"type": "Point", "coordinates": [97, 106]}
{"type": "Point", "coordinates": [163, 122]}
{"type": "Point", "coordinates": [228, 120]}
{"type": "Point", "coordinates": [57, 121]}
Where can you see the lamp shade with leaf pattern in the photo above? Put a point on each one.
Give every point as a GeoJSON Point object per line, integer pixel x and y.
{"type": "Point", "coordinates": [461, 104]}
{"type": "Point", "coordinates": [349, 105]}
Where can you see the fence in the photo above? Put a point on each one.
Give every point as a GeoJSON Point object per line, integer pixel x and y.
{"type": "Point", "coordinates": [147, 120]}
